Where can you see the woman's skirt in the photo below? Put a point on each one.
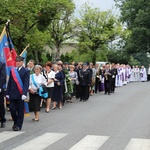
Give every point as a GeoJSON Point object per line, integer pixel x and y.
{"type": "Point", "coordinates": [34, 102]}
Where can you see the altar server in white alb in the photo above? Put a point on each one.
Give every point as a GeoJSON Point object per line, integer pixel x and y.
{"type": "Point", "coordinates": [124, 76]}
{"type": "Point", "coordinates": [119, 76]}
{"type": "Point", "coordinates": [129, 71]}
{"type": "Point", "coordinates": [132, 79]}
{"type": "Point", "coordinates": [137, 74]}
{"type": "Point", "coordinates": [143, 74]}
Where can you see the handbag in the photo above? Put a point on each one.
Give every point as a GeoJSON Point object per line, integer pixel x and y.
{"type": "Point", "coordinates": [42, 90]}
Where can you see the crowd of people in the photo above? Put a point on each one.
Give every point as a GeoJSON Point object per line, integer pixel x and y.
{"type": "Point", "coordinates": [61, 82]}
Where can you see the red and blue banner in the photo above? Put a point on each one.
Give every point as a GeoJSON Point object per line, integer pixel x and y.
{"type": "Point", "coordinates": [7, 51]}
{"type": "Point", "coordinates": [8, 56]}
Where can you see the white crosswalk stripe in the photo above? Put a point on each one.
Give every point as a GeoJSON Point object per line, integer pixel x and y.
{"type": "Point", "coordinates": [6, 135]}
{"type": "Point", "coordinates": [90, 142]}
{"type": "Point", "coordinates": [138, 144]}
{"type": "Point", "coordinates": [41, 142]}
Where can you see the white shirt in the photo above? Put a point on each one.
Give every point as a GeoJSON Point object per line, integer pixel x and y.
{"type": "Point", "coordinates": [18, 68]}
{"type": "Point", "coordinates": [51, 75]}
{"type": "Point", "coordinates": [39, 79]}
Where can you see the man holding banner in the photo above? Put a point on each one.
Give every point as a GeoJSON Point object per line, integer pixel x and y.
{"type": "Point", "coordinates": [17, 92]}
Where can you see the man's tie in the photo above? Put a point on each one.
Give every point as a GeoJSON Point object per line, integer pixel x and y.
{"type": "Point", "coordinates": [18, 69]}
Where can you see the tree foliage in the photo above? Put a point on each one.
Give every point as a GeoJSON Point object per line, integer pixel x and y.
{"type": "Point", "coordinates": [42, 22]}
{"type": "Point", "coordinates": [118, 57]}
{"type": "Point", "coordinates": [96, 29]}
{"type": "Point", "coordinates": [136, 17]}
{"type": "Point", "coordinates": [29, 22]}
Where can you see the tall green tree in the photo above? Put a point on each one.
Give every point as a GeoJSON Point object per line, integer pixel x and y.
{"type": "Point", "coordinates": [96, 29]}
{"type": "Point", "coordinates": [136, 17]}
{"type": "Point", "coordinates": [61, 27]}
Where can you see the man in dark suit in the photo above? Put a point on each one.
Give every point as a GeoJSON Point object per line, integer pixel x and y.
{"type": "Point", "coordinates": [107, 79]}
{"type": "Point", "coordinates": [2, 87]}
{"type": "Point", "coordinates": [85, 81]}
{"type": "Point", "coordinates": [114, 73]}
{"type": "Point", "coordinates": [17, 95]}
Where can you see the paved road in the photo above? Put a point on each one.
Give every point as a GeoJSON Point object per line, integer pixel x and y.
{"type": "Point", "coordinates": [120, 121]}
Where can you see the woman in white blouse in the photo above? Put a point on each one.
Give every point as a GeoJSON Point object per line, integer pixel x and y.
{"type": "Point", "coordinates": [49, 75]}
{"type": "Point", "coordinates": [36, 80]}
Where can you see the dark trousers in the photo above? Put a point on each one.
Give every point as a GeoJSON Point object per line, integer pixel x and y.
{"type": "Point", "coordinates": [113, 85]}
{"type": "Point", "coordinates": [107, 84]}
{"type": "Point", "coordinates": [17, 111]}
{"type": "Point", "coordinates": [97, 85]}
{"type": "Point", "coordinates": [77, 94]}
{"type": "Point", "coordinates": [63, 94]}
{"type": "Point", "coordinates": [2, 108]}
{"type": "Point", "coordinates": [148, 77]}
{"type": "Point", "coordinates": [84, 92]}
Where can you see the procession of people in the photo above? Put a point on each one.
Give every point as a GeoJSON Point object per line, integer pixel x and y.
{"type": "Point", "coordinates": [61, 83]}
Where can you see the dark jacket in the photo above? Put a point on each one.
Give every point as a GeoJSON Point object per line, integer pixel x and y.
{"type": "Point", "coordinates": [12, 89]}
{"type": "Point", "coordinates": [85, 77]}
{"type": "Point", "coordinates": [108, 76]}
{"type": "Point", "coordinates": [114, 72]}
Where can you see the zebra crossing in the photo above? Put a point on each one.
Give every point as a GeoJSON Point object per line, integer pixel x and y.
{"type": "Point", "coordinates": [89, 142]}
{"type": "Point", "coordinates": [41, 142]}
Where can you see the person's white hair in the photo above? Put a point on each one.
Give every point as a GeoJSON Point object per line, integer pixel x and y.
{"type": "Point", "coordinates": [38, 66]}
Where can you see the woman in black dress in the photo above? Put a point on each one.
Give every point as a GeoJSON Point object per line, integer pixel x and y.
{"type": "Point", "coordinates": [57, 95]}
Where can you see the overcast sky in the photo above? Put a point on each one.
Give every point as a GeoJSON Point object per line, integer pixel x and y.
{"type": "Point", "coordinates": [102, 4]}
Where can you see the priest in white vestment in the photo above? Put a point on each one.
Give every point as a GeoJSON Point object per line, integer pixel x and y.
{"type": "Point", "coordinates": [143, 74]}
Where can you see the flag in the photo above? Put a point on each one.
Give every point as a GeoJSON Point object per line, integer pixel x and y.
{"type": "Point", "coordinates": [8, 55]}
{"type": "Point", "coordinates": [7, 51]}
{"type": "Point", "coordinates": [24, 55]}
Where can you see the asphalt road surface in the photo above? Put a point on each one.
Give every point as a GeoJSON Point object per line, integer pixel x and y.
{"type": "Point", "coordinates": [120, 121]}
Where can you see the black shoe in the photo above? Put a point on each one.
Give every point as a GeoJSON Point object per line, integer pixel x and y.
{"type": "Point", "coordinates": [81, 100]}
{"type": "Point", "coordinates": [47, 111]}
{"type": "Point", "coordinates": [2, 125]}
{"type": "Point", "coordinates": [13, 127]}
{"type": "Point", "coordinates": [16, 129]}
{"type": "Point", "coordinates": [35, 120]}
{"type": "Point", "coordinates": [108, 93]}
